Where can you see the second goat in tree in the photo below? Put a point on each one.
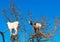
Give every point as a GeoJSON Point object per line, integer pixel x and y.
{"type": "Point", "coordinates": [35, 26]}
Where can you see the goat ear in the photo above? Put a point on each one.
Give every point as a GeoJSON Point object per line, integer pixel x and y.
{"type": "Point", "coordinates": [29, 22]}
{"type": "Point", "coordinates": [7, 22]}
{"type": "Point", "coordinates": [17, 22]}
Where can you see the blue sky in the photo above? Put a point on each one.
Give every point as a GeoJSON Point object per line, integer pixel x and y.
{"type": "Point", "coordinates": [48, 8]}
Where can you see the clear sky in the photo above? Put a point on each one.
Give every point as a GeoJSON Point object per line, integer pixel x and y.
{"type": "Point", "coordinates": [49, 8]}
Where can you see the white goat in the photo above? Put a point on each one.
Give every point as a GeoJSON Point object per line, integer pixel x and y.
{"type": "Point", "coordinates": [13, 26]}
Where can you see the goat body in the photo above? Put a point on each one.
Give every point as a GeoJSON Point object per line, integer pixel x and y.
{"type": "Point", "coordinates": [13, 26]}
{"type": "Point", "coordinates": [35, 26]}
